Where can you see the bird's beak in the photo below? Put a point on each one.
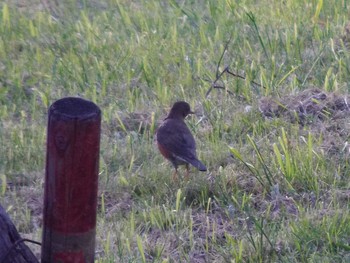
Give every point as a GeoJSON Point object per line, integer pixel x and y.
{"type": "Point", "coordinates": [191, 112]}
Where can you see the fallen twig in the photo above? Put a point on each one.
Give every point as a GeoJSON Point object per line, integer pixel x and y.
{"type": "Point", "coordinates": [219, 74]}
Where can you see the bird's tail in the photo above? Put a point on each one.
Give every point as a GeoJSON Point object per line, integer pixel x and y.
{"type": "Point", "coordinates": [198, 164]}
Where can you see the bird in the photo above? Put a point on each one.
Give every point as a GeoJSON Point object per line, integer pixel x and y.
{"type": "Point", "coordinates": [175, 140]}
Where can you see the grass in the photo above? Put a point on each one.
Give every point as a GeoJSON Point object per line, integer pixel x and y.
{"type": "Point", "coordinates": [277, 189]}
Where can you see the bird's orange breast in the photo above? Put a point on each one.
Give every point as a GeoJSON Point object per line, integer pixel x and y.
{"type": "Point", "coordinates": [166, 153]}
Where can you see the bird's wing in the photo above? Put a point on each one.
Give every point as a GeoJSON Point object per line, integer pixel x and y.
{"type": "Point", "coordinates": [178, 139]}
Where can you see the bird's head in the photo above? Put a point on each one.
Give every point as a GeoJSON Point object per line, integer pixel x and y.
{"type": "Point", "coordinates": [180, 110]}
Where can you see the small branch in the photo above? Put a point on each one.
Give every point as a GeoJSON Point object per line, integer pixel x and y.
{"type": "Point", "coordinates": [222, 56]}
{"type": "Point", "coordinates": [218, 75]}
{"type": "Point", "coordinates": [239, 76]}
{"type": "Point", "coordinates": [222, 87]}
{"type": "Point", "coordinates": [214, 85]}
{"type": "Point", "coordinates": [235, 75]}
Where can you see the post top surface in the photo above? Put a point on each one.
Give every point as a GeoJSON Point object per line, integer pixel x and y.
{"type": "Point", "coordinates": [74, 107]}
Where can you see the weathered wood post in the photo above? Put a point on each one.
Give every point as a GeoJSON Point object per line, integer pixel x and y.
{"type": "Point", "coordinates": [71, 180]}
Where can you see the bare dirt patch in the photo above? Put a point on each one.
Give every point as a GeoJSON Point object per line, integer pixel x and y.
{"type": "Point", "coordinates": [324, 113]}
{"type": "Point", "coordinates": [307, 106]}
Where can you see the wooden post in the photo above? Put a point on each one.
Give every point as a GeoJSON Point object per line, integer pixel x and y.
{"type": "Point", "coordinates": [71, 180]}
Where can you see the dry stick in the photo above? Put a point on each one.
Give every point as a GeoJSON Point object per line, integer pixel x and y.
{"type": "Point", "coordinates": [218, 76]}
{"type": "Point", "coordinates": [216, 86]}
{"type": "Point", "coordinates": [222, 56]}
{"type": "Point", "coordinates": [239, 76]}
{"type": "Point", "coordinates": [226, 69]}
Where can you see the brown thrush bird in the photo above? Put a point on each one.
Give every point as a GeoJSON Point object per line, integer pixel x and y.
{"type": "Point", "coordinates": [175, 141]}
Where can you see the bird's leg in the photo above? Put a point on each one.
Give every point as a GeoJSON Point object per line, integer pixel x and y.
{"type": "Point", "coordinates": [187, 174]}
{"type": "Point", "coordinates": [175, 175]}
